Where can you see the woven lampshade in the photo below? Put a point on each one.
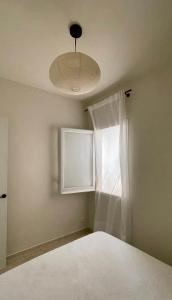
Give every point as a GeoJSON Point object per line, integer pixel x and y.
{"type": "Point", "coordinates": [74, 73]}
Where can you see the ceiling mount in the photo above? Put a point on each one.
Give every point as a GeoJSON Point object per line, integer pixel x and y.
{"type": "Point", "coordinates": [75, 31]}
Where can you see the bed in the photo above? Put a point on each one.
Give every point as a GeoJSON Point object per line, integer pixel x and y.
{"type": "Point", "coordinates": [96, 267]}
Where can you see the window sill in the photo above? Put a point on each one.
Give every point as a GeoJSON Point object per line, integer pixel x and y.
{"type": "Point", "coordinates": [110, 195]}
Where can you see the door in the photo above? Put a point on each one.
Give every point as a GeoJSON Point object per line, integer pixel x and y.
{"type": "Point", "coordinates": [3, 189]}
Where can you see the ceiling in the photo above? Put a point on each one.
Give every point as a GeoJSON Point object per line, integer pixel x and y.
{"type": "Point", "coordinates": [125, 37]}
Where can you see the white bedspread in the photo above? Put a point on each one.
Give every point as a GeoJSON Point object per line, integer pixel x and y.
{"type": "Point", "coordinates": [96, 267]}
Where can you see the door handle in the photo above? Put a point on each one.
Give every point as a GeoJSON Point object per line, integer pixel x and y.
{"type": "Point", "coordinates": [3, 196]}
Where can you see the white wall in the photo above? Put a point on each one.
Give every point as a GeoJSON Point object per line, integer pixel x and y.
{"type": "Point", "coordinates": [150, 158]}
{"type": "Point", "coordinates": [150, 129]}
{"type": "Point", "coordinates": [36, 212]}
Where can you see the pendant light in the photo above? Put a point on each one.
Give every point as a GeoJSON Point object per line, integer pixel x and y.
{"type": "Point", "coordinates": [74, 73]}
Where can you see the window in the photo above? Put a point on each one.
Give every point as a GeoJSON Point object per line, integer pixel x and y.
{"type": "Point", "coordinates": [111, 175]}
{"type": "Point", "coordinates": [77, 161]}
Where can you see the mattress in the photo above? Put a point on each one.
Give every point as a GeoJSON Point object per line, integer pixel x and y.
{"type": "Point", "coordinates": [96, 267]}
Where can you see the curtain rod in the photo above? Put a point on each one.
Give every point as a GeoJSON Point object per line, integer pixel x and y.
{"type": "Point", "coordinates": [127, 94]}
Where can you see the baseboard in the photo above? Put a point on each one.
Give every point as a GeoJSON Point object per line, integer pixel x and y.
{"type": "Point", "coordinates": [85, 229]}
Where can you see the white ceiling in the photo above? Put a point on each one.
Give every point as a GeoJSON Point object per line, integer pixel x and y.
{"type": "Point", "coordinates": [125, 37]}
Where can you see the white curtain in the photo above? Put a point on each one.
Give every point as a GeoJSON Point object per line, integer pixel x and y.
{"type": "Point", "coordinates": [112, 204]}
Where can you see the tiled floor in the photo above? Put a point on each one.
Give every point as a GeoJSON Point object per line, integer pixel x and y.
{"type": "Point", "coordinates": [22, 257]}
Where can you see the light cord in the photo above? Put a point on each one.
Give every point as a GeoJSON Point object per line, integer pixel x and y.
{"type": "Point", "coordinates": [75, 45]}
